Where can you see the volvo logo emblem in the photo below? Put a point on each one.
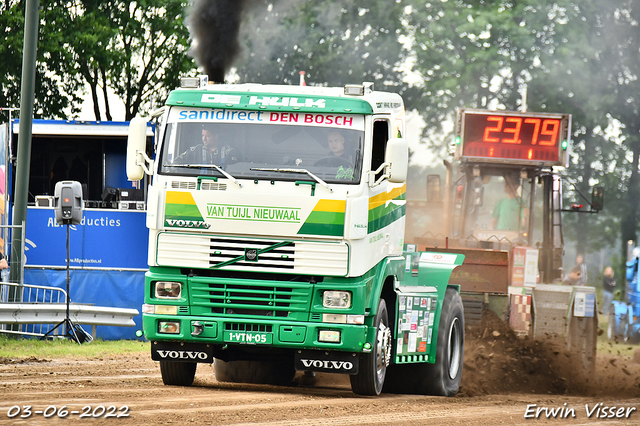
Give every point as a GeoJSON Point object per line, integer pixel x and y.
{"type": "Point", "coordinates": [251, 254]}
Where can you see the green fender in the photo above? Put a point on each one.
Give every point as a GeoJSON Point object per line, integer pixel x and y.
{"type": "Point", "coordinates": [428, 273]}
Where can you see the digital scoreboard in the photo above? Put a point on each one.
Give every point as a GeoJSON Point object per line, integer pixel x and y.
{"type": "Point", "coordinates": [513, 137]}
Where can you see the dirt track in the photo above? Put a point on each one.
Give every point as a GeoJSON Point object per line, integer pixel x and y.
{"type": "Point", "coordinates": [503, 376]}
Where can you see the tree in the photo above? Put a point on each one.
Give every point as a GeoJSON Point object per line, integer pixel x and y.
{"type": "Point", "coordinates": [138, 50]}
{"type": "Point", "coordinates": [336, 42]}
{"type": "Point", "coordinates": [56, 85]}
{"type": "Point", "coordinates": [575, 58]}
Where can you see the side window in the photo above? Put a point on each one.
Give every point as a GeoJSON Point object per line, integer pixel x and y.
{"type": "Point", "coordinates": [380, 138]}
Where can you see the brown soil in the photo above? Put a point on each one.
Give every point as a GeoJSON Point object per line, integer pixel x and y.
{"type": "Point", "coordinates": [503, 376]}
{"type": "Point", "coordinates": [498, 361]}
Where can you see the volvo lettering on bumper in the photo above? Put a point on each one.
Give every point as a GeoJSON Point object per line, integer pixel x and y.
{"type": "Point", "coordinates": [181, 352]}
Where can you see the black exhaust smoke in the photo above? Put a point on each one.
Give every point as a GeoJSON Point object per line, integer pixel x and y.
{"type": "Point", "coordinates": [214, 25]}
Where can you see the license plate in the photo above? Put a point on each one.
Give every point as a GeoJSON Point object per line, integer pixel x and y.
{"type": "Point", "coordinates": [248, 337]}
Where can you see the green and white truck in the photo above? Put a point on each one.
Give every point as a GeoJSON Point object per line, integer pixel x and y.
{"type": "Point", "coordinates": [281, 248]}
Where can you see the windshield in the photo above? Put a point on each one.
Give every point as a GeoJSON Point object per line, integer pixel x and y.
{"type": "Point", "coordinates": [497, 208]}
{"type": "Point", "coordinates": [329, 147]}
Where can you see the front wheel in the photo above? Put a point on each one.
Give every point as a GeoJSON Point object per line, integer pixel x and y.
{"type": "Point", "coordinates": [373, 365]}
{"type": "Point", "coordinates": [178, 373]}
{"type": "Point", "coordinates": [443, 377]}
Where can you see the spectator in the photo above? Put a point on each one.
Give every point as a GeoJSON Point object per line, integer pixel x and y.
{"type": "Point", "coordinates": [608, 286]}
{"type": "Point", "coordinates": [578, 275]}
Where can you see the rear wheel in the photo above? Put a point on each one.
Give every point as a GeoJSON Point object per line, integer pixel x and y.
{"type": "Point", "coordinates": [178, 373]}
{"type": "Point", "coordinates": [373, 365]}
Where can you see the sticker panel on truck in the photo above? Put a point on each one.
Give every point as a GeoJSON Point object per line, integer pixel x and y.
{"type": "Point", "coordinates": [416, 316]}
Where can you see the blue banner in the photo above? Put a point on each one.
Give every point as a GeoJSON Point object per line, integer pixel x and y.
{"type": "Point", "coordinates": [105, 239]}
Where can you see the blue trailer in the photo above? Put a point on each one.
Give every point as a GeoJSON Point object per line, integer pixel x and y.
{"type": "Point", "coordinates": [108, 249]}
{"type": "Point", "coordinates": [624, 315]}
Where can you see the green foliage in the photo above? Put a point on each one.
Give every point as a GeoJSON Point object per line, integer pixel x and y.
{"type": "Point", "coordinates": [570, 57]}
{"type": "Point", "coordinates": [55, 83]}
{"type": "Point", "coordinates": [136, 50]}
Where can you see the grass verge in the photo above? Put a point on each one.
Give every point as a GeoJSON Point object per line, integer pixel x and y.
{"type": "Point", "coordinates": [19, 348]}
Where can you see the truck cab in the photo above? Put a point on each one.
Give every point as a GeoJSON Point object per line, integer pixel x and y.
{"type": "Point", "coordinates": [276, 220]}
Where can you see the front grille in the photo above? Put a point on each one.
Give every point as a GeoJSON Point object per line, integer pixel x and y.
{"type": "Point", "coordinates": [176, 184]}
{"type": "Point", "coordinates": [205, 185]}
{"type": "Point", "coordinates": [259, 328]}
{"type": "Point", "coordinates": [213, 186]}
{"type": "Point", "coordinates": [258, 299]}
{"type": "Point", "coordinates": [221, 250]}
{"type": "Point", "coordinates": [210, 252]}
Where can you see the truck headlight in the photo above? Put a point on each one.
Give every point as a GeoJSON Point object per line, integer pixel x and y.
{"type": "Point", "coordinates": [168, 290]}
{"type": "Point", "coordinates": [329, 336]}
{"type": "Point", "coordinates": [336, 299]}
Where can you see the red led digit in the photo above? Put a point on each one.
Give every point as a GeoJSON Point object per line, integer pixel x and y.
{"type": "Point", "coordinates": [514, 130]}
{"type": "Point", "coordinates": [536, 129]}
{"type": "Point", "coordinates": [550, 128]}
{"type": "Point", "coordinates": [488, 130]}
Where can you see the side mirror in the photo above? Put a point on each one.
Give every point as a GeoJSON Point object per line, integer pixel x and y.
{"type": "Point", "coordinates": [597, 198]}
{"type": "Point", "coordinates": [397, 156]}
{"type": "Point", "coordinates": [136, 145]}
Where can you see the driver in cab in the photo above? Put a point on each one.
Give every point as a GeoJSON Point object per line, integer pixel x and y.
{"type": "Point", "coordinates": [336, 146]}
{"type": "Point", "coordinates": [210, 151]}
{"type": "Point", "coordinates": [338, 154]}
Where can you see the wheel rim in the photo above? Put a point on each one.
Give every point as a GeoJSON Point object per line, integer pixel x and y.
{"type": "Point", "coordinates": [454, 348]}
{"type": "Point", "coordinates": [383, 350]}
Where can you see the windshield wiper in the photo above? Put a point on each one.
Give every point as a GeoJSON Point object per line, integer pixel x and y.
{"type": "Point", "coordinates": [316, 178]}
{"type": "Point", "coordinates": [210, 166]}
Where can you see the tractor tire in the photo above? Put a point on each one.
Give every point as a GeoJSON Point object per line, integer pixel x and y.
{"type": "Point", "coordinates": [373, 366]}
{"type": "Point", "coordinates": [443, 377]}
{"type": "Point", "coordinates": [257, 372]}
{"type": "Point", "coordinates": [178, 373]}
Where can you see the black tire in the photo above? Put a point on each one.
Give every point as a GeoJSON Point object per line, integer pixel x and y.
{"type": "Point", "coordinates": [279, 373]}
{"type": "Point", "coordinates": [441, 378]}
{"type": "Point", "coordinates": [373, 365]}
{"type": "Point", "coordinates": [178, 373]}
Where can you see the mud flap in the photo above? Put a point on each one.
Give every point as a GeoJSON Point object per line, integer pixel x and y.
{"type": "Point", "coordinates": [181, 352]}
{"type": "Point", "coordinates": [327, 361]}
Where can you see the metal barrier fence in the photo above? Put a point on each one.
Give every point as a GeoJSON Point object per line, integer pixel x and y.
{"type": "Point", "coordinates": [13, 294]}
